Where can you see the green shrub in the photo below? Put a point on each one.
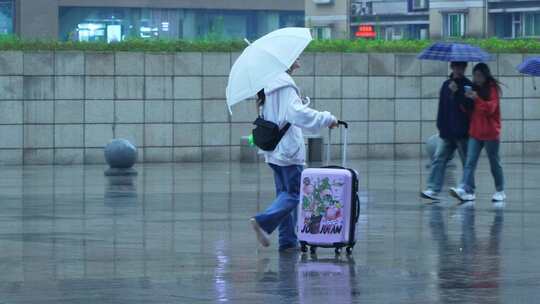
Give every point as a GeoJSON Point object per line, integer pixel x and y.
{"type": "Point", "coordinates": [493, 45]}
{"type": "Point", "coordinates": [149, 45]}
{"type": "Point", "coordinates": [361, 46]}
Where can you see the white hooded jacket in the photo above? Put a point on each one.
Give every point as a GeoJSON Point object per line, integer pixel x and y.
{"type": "Point", "coordinates": [283, 104]}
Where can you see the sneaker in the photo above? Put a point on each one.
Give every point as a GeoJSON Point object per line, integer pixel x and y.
{"type": "Point", "coordinates": [462, 195]}
{"type": "Point", "coordinates": [430, 194]}
{"type": "Point", "coordinates": [262, 236]}
{"type": "Point", "coordinates": [499, 196]}
{"type": "Point", "coordinates": [457, 192]}
{"type": "Point", "coordinates": [468, 197]}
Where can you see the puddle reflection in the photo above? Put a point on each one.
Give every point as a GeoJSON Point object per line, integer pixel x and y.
{"type": "Point", "coordinates": [470, 264]}
{"type": "Point", "coordinates": [306, 278]}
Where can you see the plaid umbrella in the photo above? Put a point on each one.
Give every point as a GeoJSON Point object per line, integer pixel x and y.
{"type": "Point", "coordinates": [446, 51]}
{"type": "Point", "coordinates": [531, 66]}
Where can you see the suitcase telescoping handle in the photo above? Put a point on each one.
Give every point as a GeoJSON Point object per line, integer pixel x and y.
{"type": "Point", "coordinates": [344, 148]}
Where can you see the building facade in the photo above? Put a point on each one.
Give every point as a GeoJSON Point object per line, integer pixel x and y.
{"type": "Point", "coordinates": [115, 20]}
{"type": "Point", "coordinates": [506, 19]}
{"type": "Point", "coordinates": [458, 19]}
{"type": "Point", "coordinates": [389, 19]}
{"type": "Point", "coordinates": [514, 18]}
{"type": "Point", "coordinates": [393, 19]}
{"type": "Point", "coordinates": [421, 19]}
{"type": "Point", "coordinates": [329, 19]}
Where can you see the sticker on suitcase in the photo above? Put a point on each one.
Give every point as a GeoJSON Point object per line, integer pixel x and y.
{"type": "Point", "coordinates": [322, 210]}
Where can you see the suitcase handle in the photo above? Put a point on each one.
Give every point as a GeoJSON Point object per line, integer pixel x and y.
{"type": "Point", "coordinates": [344, 139]}
{"type": "Point", "coordinates": [343, 123]}
{"type": "Point", "coordinates": [357, 202]}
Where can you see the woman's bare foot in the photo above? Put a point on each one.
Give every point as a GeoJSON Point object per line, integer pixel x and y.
{"type": "Point", "coordinates": [262, 236]}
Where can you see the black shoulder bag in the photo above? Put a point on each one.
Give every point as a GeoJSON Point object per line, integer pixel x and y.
{"type": "Point", "coordinates": [267, 134]}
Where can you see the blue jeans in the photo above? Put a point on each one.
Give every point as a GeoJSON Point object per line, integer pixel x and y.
{"type": "Point", "coordinates": [473, 154]}
{"type": "Point", "coordinates": [444, 153]}
{"type": "Point", "coordinates": [282, 212]}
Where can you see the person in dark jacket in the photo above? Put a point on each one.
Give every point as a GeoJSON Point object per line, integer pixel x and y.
{"type": "Point", "coordinates": [453, 124]}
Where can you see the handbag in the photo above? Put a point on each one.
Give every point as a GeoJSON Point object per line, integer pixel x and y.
{"type": "Point", "coordinates": [267, 134]}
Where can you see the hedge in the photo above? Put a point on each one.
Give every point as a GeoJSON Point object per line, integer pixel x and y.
{"type": "Point", "coordinates": [362, 46]}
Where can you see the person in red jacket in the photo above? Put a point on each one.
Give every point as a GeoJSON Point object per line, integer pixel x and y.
{"type": "Point", "coordinates": [484, 132]}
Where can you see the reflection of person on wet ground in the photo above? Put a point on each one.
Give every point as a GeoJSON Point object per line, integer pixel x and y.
{"type": "Point", "coordinates": [282, 283]}
{"type": "Point", "coordinates": [308, 279]}
{"type": "Point", "coordinates": [470, 268]}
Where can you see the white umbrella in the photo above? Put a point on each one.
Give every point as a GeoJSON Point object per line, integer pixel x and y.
{"type": "Point", "coordinates": [263, 60]}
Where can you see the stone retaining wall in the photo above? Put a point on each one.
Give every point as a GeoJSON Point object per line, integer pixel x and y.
{"type": "Point", "coordinates": [63, 107]}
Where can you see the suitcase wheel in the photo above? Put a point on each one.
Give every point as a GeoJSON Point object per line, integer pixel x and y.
{"type": "Point", "coordinates": [349, 250]}
{"type": "Point", "coordinates": [303, 248]}
{"type": "Point", "coordinates": [313, 250]}
{"type": "Point", "coordinates": [337, 251]}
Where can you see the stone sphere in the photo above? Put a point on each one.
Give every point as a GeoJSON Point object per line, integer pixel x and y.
{"type": "Point", "coordinates": [431, 145]}
{"type": "Point", "coordinates": [120, 153]}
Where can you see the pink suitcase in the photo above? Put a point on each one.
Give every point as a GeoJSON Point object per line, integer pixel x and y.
{"type": "Point", "coordinates": [329, 205]}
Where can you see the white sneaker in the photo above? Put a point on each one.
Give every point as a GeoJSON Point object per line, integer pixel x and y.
{"type": "Point", "coordinates": [457, 192]}
{"type": "Point", "coordinates": [468, 197]}
{"type": "Point", "coordinates": [499, 196]}
{"type": "Point", "coordinates": [430, 194]}
{"type": "Point", "coordinates": [462, 195]}
{"type": "Point", "coordinates": [262, 236]}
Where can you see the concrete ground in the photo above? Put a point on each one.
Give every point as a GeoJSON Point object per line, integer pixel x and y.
{"type": "Point", "coordinates": [178, 233]}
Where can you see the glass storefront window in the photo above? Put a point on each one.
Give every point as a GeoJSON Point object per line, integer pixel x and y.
{"type": "Point", "coordinates": [291, 19]}
{"type": "Point", "coordinates": [91, 31]}
{"type": "Point", "coordinates": [98, 24]}
{"type": "Point", "coordinates": [111, 24]}
{"type": "Point", "coordinates": [6, 17]}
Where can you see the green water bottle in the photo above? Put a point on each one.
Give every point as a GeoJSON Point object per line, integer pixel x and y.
{"type": "Point", "coordinates": [250, 140]}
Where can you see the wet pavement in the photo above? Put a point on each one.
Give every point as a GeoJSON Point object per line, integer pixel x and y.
{"type": "Point", "coordinates": [178, 233]}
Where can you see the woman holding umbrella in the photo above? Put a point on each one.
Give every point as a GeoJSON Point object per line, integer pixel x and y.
{"type": "Point", "coordinates": [484, 132]}
{"type": "Point", "coordinates": [264, 69]}
{"type": "Point", "coordinates": [281, 104]}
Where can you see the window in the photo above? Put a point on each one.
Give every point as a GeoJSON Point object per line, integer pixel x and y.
{"type": "Point", "coordinates": [323, 1]}
{"type": "Point", "coordinates": [532, 24]}
{"type": "Point", "coordinates": [116, 24]}
{"type": "Point", "coordinates": [517, 28]}
{"type": "Point", "coordinates": [6, 17]}
{"type": "Point", "coordinates": [509, 25]}
{"type": "Point", "coordinates": [424, 33]}
{"type": "Point", "coordinates": [419, 5]}
{"type": "Point", "coordinates": [455, 25]}
{"type": "Point", "coordinates": [369, 8]}
{"type": "Point", "coordinates": [503, 25]}
{"type": "Point", "coordinates": [417, 32]}
{"type": "Point", "coordinates": [393, 33]}
{"type": "Point", "coordinates": [322, 33]}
